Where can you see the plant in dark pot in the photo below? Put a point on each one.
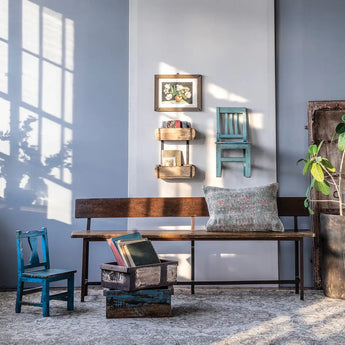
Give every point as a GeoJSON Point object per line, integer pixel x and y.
{"type": "Point", "coordinates": [326, 179]}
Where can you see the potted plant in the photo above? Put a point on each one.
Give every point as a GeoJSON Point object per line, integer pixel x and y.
{"type": "Point", "coordinates": [326, 178]}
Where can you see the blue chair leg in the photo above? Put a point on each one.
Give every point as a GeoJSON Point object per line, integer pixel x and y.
{"type": "Point", "coordinates": [20, 288]}
{"type": "Point", "coordinates": [45, 298]}
{"type": "Point", "coordinates": [219, 161]}
{"type": "Point", "coordinates": [247, 167]}
{"type": "Point", "coordinates": [70, 299]}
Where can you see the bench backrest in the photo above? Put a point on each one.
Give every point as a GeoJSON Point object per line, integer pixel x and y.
{"type": "Point", "coordinates": [167, 207]}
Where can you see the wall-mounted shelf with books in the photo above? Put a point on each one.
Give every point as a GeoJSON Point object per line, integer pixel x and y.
{"type": "Point", "coordinates": [175, 133]}
{"type": "Point", "coordinates": [179, 172]}
{"type": "Point", "coordinates": [172, 165]}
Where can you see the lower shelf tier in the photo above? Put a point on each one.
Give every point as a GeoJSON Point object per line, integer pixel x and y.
{"type": "Point", "coordinates": [178, 172]}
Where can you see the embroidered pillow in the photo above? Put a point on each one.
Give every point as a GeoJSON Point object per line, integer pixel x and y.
{"type": "Point", "coordinates": [246, 209]}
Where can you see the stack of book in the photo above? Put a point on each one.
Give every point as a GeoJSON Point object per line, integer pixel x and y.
{"type": "Point", "coordinates": [131, 250]}
{"type": "Point", "coordinates": [176, 124]}
{"type": "Point", "coordinates": [139, 284]}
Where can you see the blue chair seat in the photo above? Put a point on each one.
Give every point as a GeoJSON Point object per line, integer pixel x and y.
{"type": "Point", "coordinates": [49, 273]}
{"type": "Point", "coordinates": [39, 271]}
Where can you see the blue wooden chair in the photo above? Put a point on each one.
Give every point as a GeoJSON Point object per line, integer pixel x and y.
{"type": "Point", "coordinates": [232, 135]}
{"type": "Point", "coordinates": [39, 271]}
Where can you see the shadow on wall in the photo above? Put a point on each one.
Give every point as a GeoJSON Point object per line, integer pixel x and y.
{"type": "Point", "coordinates": [36, 106]}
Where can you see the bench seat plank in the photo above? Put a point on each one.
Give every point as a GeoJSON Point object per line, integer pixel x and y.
{"type": "Point", "coordinates": [197, 235]}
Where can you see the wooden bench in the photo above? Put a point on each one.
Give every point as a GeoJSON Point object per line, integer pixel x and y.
{"type": "Point", "coordinates": [186, 207]}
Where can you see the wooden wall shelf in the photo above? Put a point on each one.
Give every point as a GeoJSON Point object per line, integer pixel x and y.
{"type": "Point", "coordinates": [175, 133]}
{"type": "Point", "coordinates": [185, 171]}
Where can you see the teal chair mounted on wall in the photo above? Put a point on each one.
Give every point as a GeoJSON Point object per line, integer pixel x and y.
{"type": "Point", "coordinates": [38, 271]}
{"type": "Point", "coordinates": [232, 135]}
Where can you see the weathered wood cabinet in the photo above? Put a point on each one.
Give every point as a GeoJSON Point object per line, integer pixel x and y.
{"type": "Point", "coordinates": [323, 116]}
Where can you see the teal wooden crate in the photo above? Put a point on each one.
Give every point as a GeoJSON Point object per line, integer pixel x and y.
{"type": "Point", "coordinates": [140, 303]}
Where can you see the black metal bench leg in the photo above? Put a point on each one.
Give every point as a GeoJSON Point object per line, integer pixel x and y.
{"type": "Point", "coordinates": [192, 251]}
{"type": "Point", "coordinates": [85, 270]}
{"type": "Point", "coordinates": [297, 278]}
{"type": "Point", "coordinates": [301, 269]}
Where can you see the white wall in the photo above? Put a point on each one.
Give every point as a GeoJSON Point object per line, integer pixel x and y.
{"type": "Point", "coordinates": [231, 44]}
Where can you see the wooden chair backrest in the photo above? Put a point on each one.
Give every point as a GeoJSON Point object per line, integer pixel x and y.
{"type": "Point", "coordinates": [231, 123]}
{"type": "Point", "coordinates": [33, 238]}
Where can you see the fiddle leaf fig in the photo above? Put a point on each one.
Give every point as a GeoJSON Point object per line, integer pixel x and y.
{"type": "Point", "coordinates": [317, 172]}
{"type": "Point", "coordinates": [341, 141]}
{"type": "Point", "coordinates": [323, 187]}
{"type": "Point", "coordinates": [327, 164]}
{"type": "Point", "coordinates": [322, 171]}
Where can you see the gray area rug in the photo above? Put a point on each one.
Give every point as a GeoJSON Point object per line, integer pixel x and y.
{"type": "Point", "coordinates": [211, 316]}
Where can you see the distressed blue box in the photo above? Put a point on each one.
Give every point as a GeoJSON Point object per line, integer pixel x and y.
{"type": "Point", "coordinates": [140, 303]}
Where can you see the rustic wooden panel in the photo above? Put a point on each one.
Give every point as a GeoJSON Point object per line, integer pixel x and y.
{"type": "Point", "coordinates": [323, 116]}
{"type": "Point", "coordinates": [175, 133]}
{"type": "Point", "coordinates": [141, 303]}
{"type": "Point", "coordinates": [332, 238]}
{"type": "Point", "coordinates": [141, 207]}
{"type": "Point", "coordinates": [166, 207]}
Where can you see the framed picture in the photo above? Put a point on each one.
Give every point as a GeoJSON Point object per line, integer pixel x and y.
{"type": "Point", "coordinates": [178, 92]}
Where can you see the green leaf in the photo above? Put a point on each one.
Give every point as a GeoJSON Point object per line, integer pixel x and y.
{"type": "Point", "coordinates": [328, 165]}
{"type": "Point", "coordinates": [319, 147]}
{"type": "Point", "coordinates": [341, 142]}
{"type": "Point", "coordinates": [317, 172]}
{"type": "Point", "coordinates": [306, 203]}
{"type": "Point", "coordinates": [323, 187]}
{"type": "Point", "coordinates": [340, 128]}
{"type": "Point", "coordinates": [343, 117]}
{"type": "Point", "coordinates": [300, 160]}
{"type": "Point", "coordinates": [312, 149]}
{"type": "Point", "coordinates": [307, 167]}
{"type": "Point", "coordinates": [310, 211]}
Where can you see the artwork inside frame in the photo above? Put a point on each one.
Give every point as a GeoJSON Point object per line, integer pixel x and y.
{"type": "Point", "coordinates": [178, 92]}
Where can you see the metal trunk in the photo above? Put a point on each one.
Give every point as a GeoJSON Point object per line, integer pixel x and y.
{"type": "Point", "coordinates": [332, 236]}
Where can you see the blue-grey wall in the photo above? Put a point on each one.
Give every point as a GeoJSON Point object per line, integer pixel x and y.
{"type": "Point", "coordinates": [310, 66]}
{"type": "Point", "coordinates": [91, 134]}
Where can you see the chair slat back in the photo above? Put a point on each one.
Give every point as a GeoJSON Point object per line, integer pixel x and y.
{"type": "Point", "coordinates": [231, 123]}
{"type": "Point", "coordinates": [33, 240]}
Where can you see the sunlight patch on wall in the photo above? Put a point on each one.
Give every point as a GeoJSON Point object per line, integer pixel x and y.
{"type": "Point", "coordinates": [4, 19]}
{"type": "Point", "coordinates": [31, 27]}
{"type": "Point", "coordinates": [3, 67]}
{"type": "Point", "coordinates": [30, 79]}
{"type": "Point", "coordinates": [220, 93]}
{"type": "Point", "coordinates": [69, 44]}
{"type": "Point", "coordinates": [59, 202]}
{"type": "Point", "coordinates": [29, 118]}
{"type": "Point", "coordinates": [52, 35]}
{"type": "Point", "coordinates": [5, 125]}
{"type": "Point", "coordinates": [68, 97]}
{"type": "Point", "coordinates": [50, 143]}
{"type": "Point", "coordinates": [183, 267]}
{"type": "Point", "coordinates": [24, 181]}
{"type": "Point", "coordinates": [67, 171]}
{"type": "Point", "coordinates": [51, 89]}
{"type": "Point", "coordinates": [256, 120]}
